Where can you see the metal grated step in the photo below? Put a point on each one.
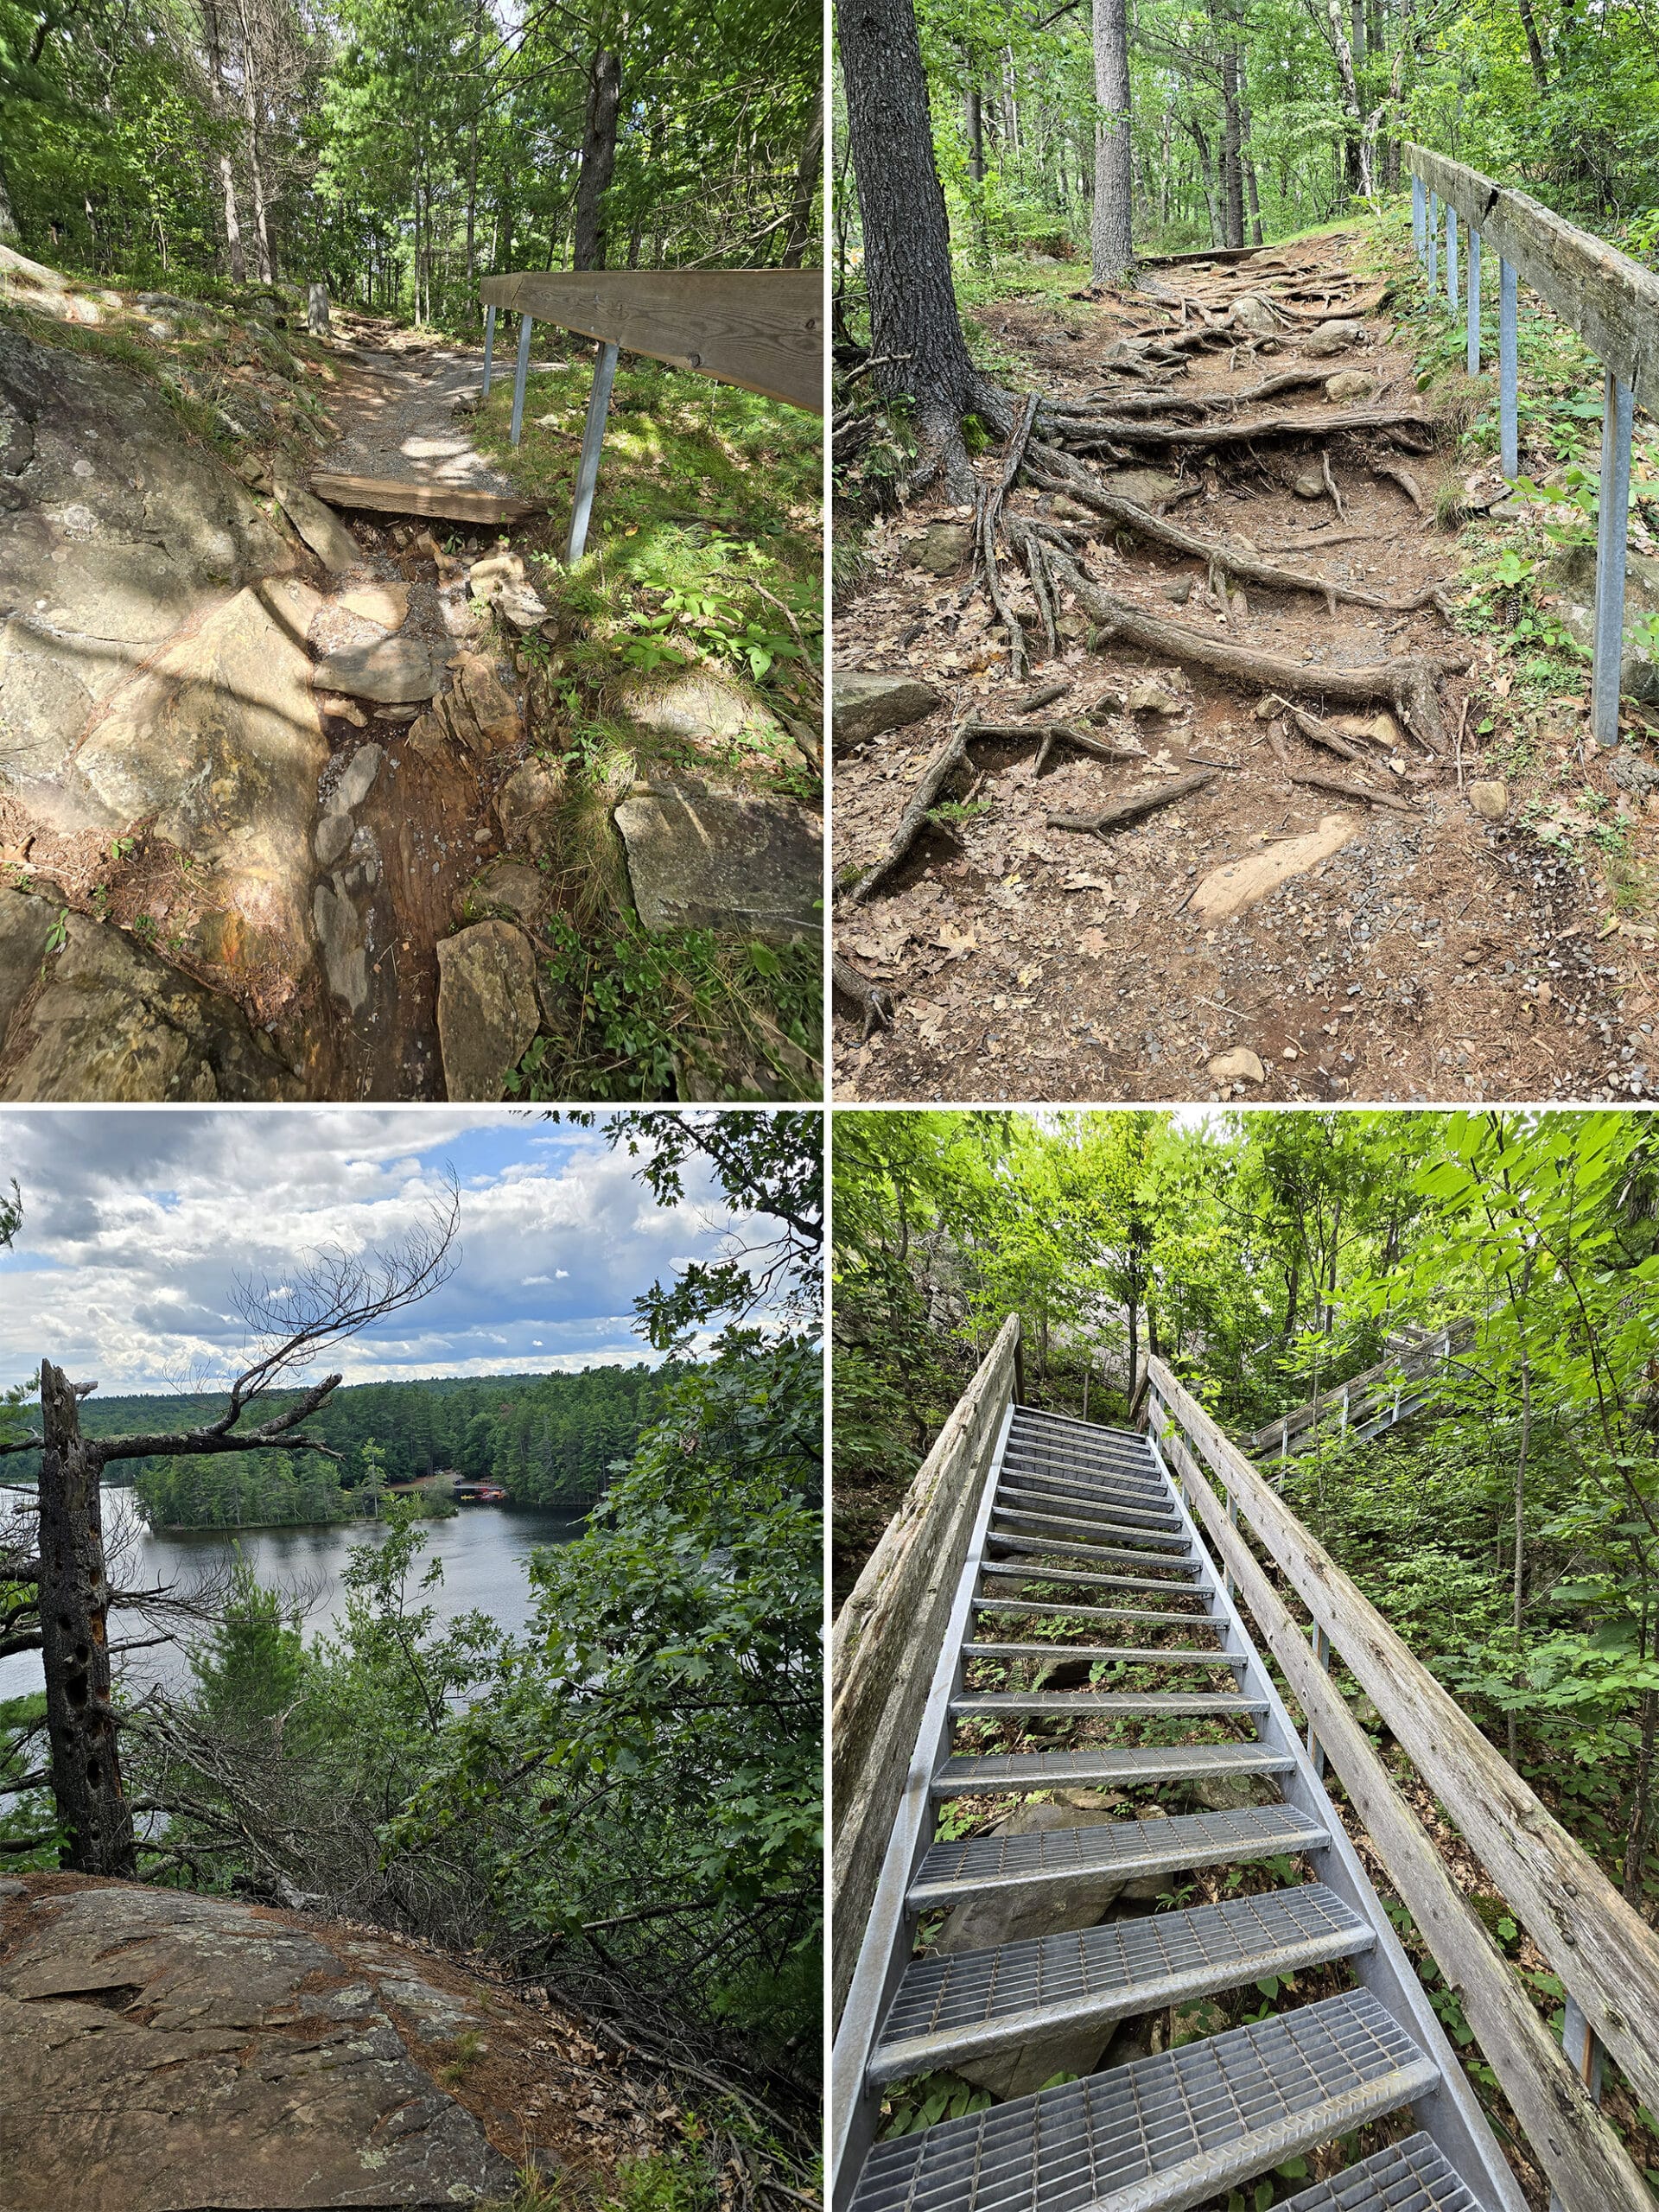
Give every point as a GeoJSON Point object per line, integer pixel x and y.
{"type": "Point", "coordinates": [1189, 1622]}
{"type": "Point", "coordinates": [1139, 1475]}
{"type": "Point", "coordinates": [970, 2003]}
{"type": "Point", "coordinates": [1041, 1571]}
{"type": "Point", "coordinates": [972, 1865]}
{"type": "Point", "coordinates": [1159, 1527]}
{"type": "Point", "coordinates": [1051, 1533]}
{"type": "Point", "coordinates": [1086, 1768]}
{"type": "Point", "coordinates": [1162, 2133]}
{"type": "Point", "coordinates": [1092, 1496]}
{"type": "Point", "coordinates": [1106, 1704]}
{"type": "Point", "coordinates": [1408, 2176]}
{"type": "Point", "coordinates": [1048, 1548]}
{"type": "Point", "coordinates": [1019, 1505]}
{"type": "Point", "coordinates": [1124, 1653]}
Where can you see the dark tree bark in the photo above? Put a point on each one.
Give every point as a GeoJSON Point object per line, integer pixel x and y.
{"type": "Point", "coordinates": [598, 159]}
{"type": "Point", "coordinates": [973, 119]}
{"type": "Point", "coordinates": [915, 330]}
{"type": "Point", "coordinates": [807, 171]}
{"type": "Point", "coordinates": [1534, 49]}
{"type": "Point", "coordinates": [75, 1644]}
{"type": "Point", "coordinates": [1111, 228]}
{"type": "Point", "coordinates": [1232, 140]}
{"type": "Point", "coordinates": [1251, 192]}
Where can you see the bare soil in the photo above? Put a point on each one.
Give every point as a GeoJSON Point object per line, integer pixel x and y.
{"type": "Point", "coordinates": [1437, 956]}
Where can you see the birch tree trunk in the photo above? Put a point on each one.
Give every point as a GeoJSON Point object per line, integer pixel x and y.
{"type": "Point", "coordinates": [75, 1647]}
{"type": "Point", "coordinates": [807, 172]}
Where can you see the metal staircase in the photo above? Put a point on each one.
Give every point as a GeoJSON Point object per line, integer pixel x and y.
{"type": "Point", "coordinates": [1067, 1508]}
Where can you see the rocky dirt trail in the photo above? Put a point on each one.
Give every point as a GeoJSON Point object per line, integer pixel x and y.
{"type": "Point", "coordinates": [1326, 892]}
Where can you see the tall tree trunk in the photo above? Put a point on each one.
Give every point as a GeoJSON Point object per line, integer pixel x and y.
{"type": "Point", "coordinates": [74, 1626]}
{"type": "Point", "coordinates": [9, 232]}
{"type": "Point", "coordinates": [1251, 192]}
{"type": "Point", "coordinates": [598, 159]}
{"type": "Point", "coordinates": [1534, 49]}
{"type": "Point", "coordinates": [807, 172]}
{"type": "Point", "coordinates": [1111, 235]}
{"type": "Point", "coordinates": [1233, 135]}
{"type": "Point", "coordinates": [915, 330]}
{"type": "Point", "coordinates": [472, 151]}
{"type": "Point", "coordinates": [974, 120]}
{"type": "Point", "coordinates": [226, 176]}
{"type": "Point", "coordinates": [1358, 159]}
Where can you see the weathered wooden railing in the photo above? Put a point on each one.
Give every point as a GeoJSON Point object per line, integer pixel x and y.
{"type": "Point", "coordinates": [888, 1634]}
{"type": "Point", "coordinates": [1370, 1402]}
{"type": "Point", "coordinates": [761, 328]}
{"type": "Point", "coordinates": [1610, 300]}
{"type": "Point", "coordinates": [1605, 1954]}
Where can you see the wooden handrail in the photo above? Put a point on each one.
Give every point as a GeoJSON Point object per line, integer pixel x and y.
{"type": "Point", "coordinates": [887, 1637]}
{"type": "Point", "coordinates": [1587, 2165]}
{"type": "Point", "coordinates": [761, 328]}
{"type": "Point", "coordinates": [1606, 1956]}
{"type": "Point", "coordinates": [1610, 300]}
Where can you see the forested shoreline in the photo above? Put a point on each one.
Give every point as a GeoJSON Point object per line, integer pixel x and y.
{"type": "Point", "coordinates": [549, 1441]}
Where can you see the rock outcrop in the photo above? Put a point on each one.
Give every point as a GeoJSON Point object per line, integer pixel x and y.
{"type": "Point", "coordinates": [488, 1008]}
{"type": "Point", "coordinates": [866, 704]}
{"type": "Point", "coordinates": [161, 2051]}
{"type": "Point", "coordinates": [703, 855]}
{"type": "Point", "coordinates": [116, 533]}
{"type": "Point", "coordinates": [100, 1017]}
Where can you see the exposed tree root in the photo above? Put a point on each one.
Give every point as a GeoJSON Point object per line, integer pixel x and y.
{"type": "Point", "coordinates": [1405, 480]}
{"type": "Point", "coordinates": [1055, 472]}
{"type": "Point", "coordinates": [872, 1002]}
{"type": "Point", "coordinates": [1407, 686]}
{"type": "Point", "coordinates": [1092, 431]}
{"type": "Point", "coordinates": [1321, 782]}
{"type": "Point", "coordinates": [1121, 811]}
{"type": "Point", "coordinates": [952, 754]}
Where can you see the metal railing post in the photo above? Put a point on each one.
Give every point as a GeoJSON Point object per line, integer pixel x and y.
{"type": "Point", "coordinates": [1419, 218]}
{"type": "Point", "coordinates": [1232, 1523]}
{"type": "Point", "coordinates": [593, 437]}
{"type": "Point", "coordinates": [1583, 2048]}
{"type": "Point", "coordinates": [1322, 1653]}
{"type": "Point", "coordinates": [1617, 405]}
{"type": "Point", "coordinates": [1451, 257]}
{"type": "Point", "coordinates": [1474, 303]}
{"type": "Point", "coordinates": [489, 346]}
{"type": "Point", "coordinates": [520, 372]}
{"type": "Point", "coordinates": [1509, 375]}
{"type": "Point", "coordinates": [1434, 243]}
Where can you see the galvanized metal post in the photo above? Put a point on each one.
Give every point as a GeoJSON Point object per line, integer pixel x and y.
{"type": "Point", "coordinates": [520, 374]}
{"type": "Point", "coordinates": [1509, 375]}
{"type": "Point", "coordinates": [1322, 1653]}
{"type": "Point", "coordinates": [489, 346]}
{"type": "Point", "coordinates": [1419, 218]}
{"type": "Point", "coordinates": [1474, 303]}
{"type": "Point", "coordinates": [1617, 405]}
{"type": "Point", "coordinates": [1232, 1523]}
{"type": "Point", "coordinates": [1451, 257]}
{"type": "Point", "coordinates": [1434, 242]}
{"type": "Point", "coordinates": [1583, 2048]}
{"type": "Point", "coordinates": [593, 437]}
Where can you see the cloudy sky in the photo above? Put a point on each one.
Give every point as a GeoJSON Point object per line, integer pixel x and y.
{"type": "Point", "coordinates": [137, 1223]}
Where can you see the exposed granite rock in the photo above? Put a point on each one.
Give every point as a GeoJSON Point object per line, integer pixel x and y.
{"type": "Point", "coordinates": [489, 1009]}
{"type": "Point", "coordinates": [705, 855]}
{"type": "Point", "coordinates": [108, 1020]}
{"type": "Point", "coordinates": [866, 704]}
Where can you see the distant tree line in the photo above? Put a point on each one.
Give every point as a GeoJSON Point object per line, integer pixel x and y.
{"type": "Point", "coordinates": [548, 1440]}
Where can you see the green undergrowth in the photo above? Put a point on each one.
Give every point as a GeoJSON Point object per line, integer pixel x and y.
{"type": "Point", "coordinates": [644, 1014]}
{"type": "Point", "coordinates": [706, 538]}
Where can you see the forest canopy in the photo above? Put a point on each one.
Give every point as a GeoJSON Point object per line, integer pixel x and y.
{"type": "Point", "coordinates": [398, 152]}
{"type": "Point", "coordinates": [1255, 119]}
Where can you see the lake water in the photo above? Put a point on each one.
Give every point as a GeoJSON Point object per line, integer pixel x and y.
{"type": "Point", "coordinates": [485, 1551]}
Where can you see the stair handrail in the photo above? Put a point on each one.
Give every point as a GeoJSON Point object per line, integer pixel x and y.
{"type": "Point", "coordinates": [1369, 1385]}
{"type": "Point", "coordinates": [888, 1637]}
{"type": "Point", "coordinates": [1605, 1954]}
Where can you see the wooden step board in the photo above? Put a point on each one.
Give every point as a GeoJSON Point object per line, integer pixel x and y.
{"type": "Point", "coordinates": [388, 496]}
